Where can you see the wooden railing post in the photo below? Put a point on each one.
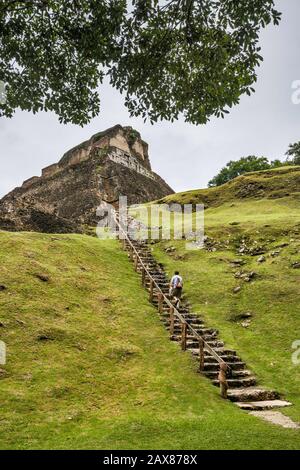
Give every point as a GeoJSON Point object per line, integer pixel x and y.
{"type": "Point", "coordinates": [171, 321]}
{"type": "Point", "coordinates": [151, 290]}
{"type": "Point", "coordinates": [183, 336]}
{"type": "Point", "coordinates": [143, 276]}
{"type": "Point", "coordinates": [160, 302]}
{"type": "Point", "coordinates": [135, 262]}
{"type": "Point", "coordinates": [201, 355]}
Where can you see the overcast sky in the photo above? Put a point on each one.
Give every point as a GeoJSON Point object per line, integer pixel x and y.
{"type": "Point", "coordinates": [186, 156]}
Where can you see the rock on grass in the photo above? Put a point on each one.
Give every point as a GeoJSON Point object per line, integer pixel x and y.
{"type": "Point", "coordinates": [43, 277]}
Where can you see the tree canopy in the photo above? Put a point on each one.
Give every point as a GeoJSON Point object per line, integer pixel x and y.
{"type": "Point", "coordinates": [293, 153]}
{"type": "Point", "coordinates": [242, 166]}
{"type": "Point", "coordinates": [169, 58]}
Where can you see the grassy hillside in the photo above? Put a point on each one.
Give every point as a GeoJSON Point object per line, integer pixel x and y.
{"type": "Point", "coordinates": [271, 184]}
{"type": "Point", "coordinates": [90, 366]}
{"type": "Point", "coordinates": [239, 231]}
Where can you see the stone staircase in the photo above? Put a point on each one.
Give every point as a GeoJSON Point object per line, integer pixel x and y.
{"type": "Point", "coordinates": [243, 389]}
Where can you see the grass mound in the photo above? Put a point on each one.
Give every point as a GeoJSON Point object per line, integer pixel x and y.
{"type": "Point", "coordinates": [271, 184]}
{"type": "Point", "coordinates": [89, 366]}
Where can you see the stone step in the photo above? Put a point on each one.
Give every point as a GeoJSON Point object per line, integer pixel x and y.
{"type": "Point", "coordinates": [229, 358]}
{"type": "Point", "coordinates": [189, 339]}
{"type": "Point", "coordinates": [155, 303]}
{"type": "Point", "coordinates": [238, 382]}
{"type": "Point", "coordinates": [165, 291]}
{"type": "Point", "coordinates": [210, 360]}
{"type": "Point", "coordinates": [159, 277]}
{"type": "Point", "coordinates": [163, 288]}
{"type": "Point", "coordinates": [252, 394]}
{"type": "Point", "coordinates": [144, 254]}
{"type": "Point", "coordinates": [216, 343]}
{"type": "Point", "coordinates": [194, 343]}
{"type": "Point", "coordinates": [209, 366]}
{"type": "Point", "coordinates": [141, 248]}
{"type": "Point", "coordinates": [208, 338]}
{"type": "Point", "coordinates": [223, 352]}
{"type": "Point", "coordinates": [202, 332]}
{"type": "Point", "coordinates": [153, 265]}
{"type": "Point", "coordinates": [166, 308]}
{"type": "Point", "coordinates": [220, 351]}
{"type": "Point", "coordinates": [213, 374]}
{"type": "Point", "coordinates": [191, 321]}
{"type": "Point", "coordinates": [166, 316]}
{"type": "Point", "coordinates": [160, 283]}
{"type": "Point", "coordinates": [149, 259]}
{"type": "Point", "coordinates": [208, 332]}
{"type": "Point", "coordinates": [177, 325]}
{"type": "Point", "coordinates": [262, 405]}
{"type": "Point", "coordinates": [191, 343]}
{"type": "Point", "coordinates": [211, 341]}
{"type": "Point", "coordinates": [163, 285]}
{"type": "Point", "coordinates": [151, 268]}
{"type": "Point", "coordinates": [195, 326]}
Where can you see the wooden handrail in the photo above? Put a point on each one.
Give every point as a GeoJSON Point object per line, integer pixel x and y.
{"type": "Point", "coordinates": [165, 299]}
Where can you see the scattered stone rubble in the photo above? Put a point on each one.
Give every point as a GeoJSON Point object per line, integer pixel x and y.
{"type": "Point", "coordinates": [246, 276]}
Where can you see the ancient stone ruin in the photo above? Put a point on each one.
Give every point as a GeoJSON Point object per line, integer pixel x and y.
{"type": "Point", "coordinates": [65, 197]}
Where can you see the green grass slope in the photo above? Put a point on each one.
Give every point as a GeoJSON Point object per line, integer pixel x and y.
{"type": "Point", "coordinates": [271, 184]}
{"type": "Point", "coordinates": [89, 365]}
{"type": "Point", "coordinates": [237, 229]}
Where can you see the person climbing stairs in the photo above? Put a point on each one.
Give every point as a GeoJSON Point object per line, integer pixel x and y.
{"type": "Point", "coordinates": [202, 341]}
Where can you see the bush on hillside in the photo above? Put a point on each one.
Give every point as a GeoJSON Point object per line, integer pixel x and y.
{"type": "Point", "coordinates": [242, 166]}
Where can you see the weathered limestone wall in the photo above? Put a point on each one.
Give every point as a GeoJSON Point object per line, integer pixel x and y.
{"type": "Point", "coordinates": [138, 149]}
{"type": "Point", "coordinates": [30, 181]}
{"type": "Point", "coordinates": [77, 157]}
{"type": "Point", "coordinates": [128, 149]}
{"type": "Point", "coordinates": [119, 142]}
{"type": "Point", "coordinates": [50, 170]}
{"type": "Point", "coordinates": [119, 156]}
{"type": "Point", "coordinates": [125, 138]}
